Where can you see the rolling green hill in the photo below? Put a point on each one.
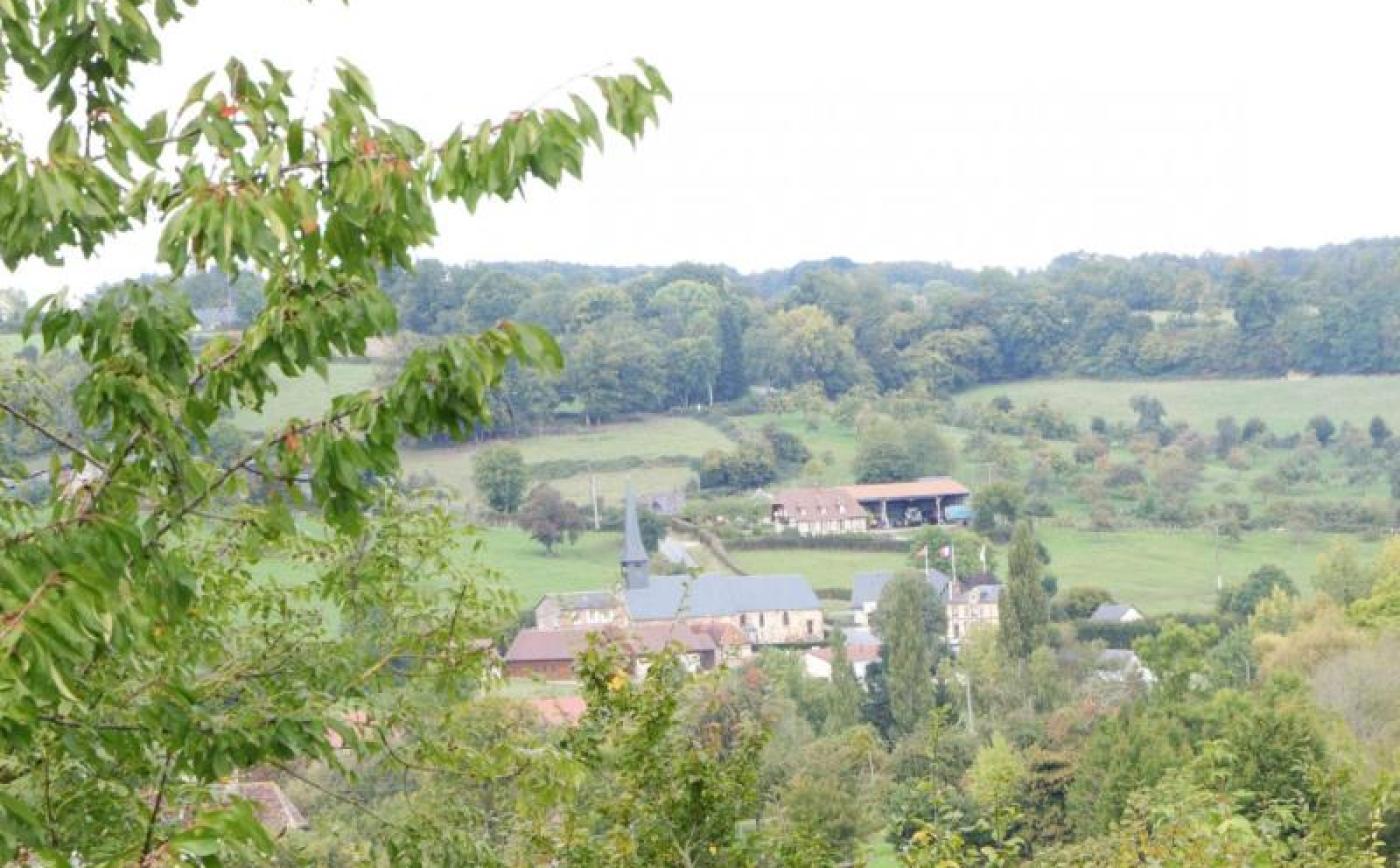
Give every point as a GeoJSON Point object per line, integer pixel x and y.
{"type": "Point", "coordinates": [1284, 404]}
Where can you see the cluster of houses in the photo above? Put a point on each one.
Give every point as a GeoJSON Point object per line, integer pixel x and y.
{"type": "Point", "coordinates": [715, 618]}
{"type": "Point", "coordinates": [718, 619]}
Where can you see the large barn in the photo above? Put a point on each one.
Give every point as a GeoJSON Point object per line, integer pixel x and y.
{"type": "Point", "coordinates": [882, 505]}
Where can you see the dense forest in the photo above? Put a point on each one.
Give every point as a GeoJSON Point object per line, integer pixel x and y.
{"type": "Point", "coordinates": [640, 338]}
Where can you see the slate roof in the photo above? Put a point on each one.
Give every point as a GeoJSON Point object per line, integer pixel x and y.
{"type": "Point", "coordinates": [979, 594]}
{"type": "Point", "coordinates": [714, 595]}
{"type": "Point", "coordinates": [867, 587]}
{"type": "Point", "coordinates": [1111, 612]}
{"type": "Point", "coordinates": [584, 600]}
{"type": "Point", "coordinates": [535, 645]}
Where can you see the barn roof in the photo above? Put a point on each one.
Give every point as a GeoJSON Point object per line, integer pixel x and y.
{"type": "Point", "coordinates": [714, 595]}
{"type": "Point", "coordinates": [930, 486]}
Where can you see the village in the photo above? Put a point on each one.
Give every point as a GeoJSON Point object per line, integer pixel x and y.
{"type": "Point", "coordinates": [716, 620]}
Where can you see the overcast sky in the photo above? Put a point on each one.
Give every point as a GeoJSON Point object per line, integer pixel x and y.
{"type": "Point", "coordinates": [974, 133]}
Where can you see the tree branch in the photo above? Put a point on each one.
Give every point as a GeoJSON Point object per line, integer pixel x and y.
{"type": "Point", "coordinates": [30, 422]}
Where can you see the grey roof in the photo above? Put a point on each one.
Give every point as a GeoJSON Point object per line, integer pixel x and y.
{"type": "Point", "coordinates": [867, 587]}
{"type": "Point", "coordinates": [980, 594]}
{"type": "Point", "coordinates": [714, 595]}
{"type": "Point", "coordinates": [860, 636]}
{"type": "Point", "coordinates": [1119, 657]}
{"type": "Point", "coordinates": [1110, 612]}
{"type": "Point", "coordinates": [582, 600]}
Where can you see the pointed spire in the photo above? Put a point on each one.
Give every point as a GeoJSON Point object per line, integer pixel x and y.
{"type": "Point", "coordinates": [635, 563]}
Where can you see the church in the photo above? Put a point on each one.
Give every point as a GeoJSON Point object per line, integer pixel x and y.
{"type": "Point", "coordinates": [779, 609]}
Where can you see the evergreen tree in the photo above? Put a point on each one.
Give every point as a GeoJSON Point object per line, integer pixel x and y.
{"type": "Point", "coordinates": [1024, 612]}
{"type": "Point", "coordinates": [846, 696]}
{"type": "Point", "coordinates": [731, 383]}
{"type": "Point", "coordinates": [903, 622]}
{"type": "Point", "coordinates": [1380, 432]}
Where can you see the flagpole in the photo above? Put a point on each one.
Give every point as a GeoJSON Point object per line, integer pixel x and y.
{"type": "Point", "coordinates": [926, 568]}
{"type": "Point", "coordinates": [953, 559]}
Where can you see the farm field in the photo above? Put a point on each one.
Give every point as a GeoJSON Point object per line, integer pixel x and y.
{"type": "Point", "coordinates": [656, 438]}
{"type": "Point", "coordinates": [1284, 404]}
{"type": "Point", "coordinates": [1160, 571]}
{"type": "Point", "coordinates": [307, 396]}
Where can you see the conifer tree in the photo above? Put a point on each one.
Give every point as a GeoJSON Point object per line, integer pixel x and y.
{"type": "Point", "coordinates": [904, 625]}
{"type": "Point", "coordinates": [846, 695]}
{"type": "Point", "coordinates": [1024, 611]}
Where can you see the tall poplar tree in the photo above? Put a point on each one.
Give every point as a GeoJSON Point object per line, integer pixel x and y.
{"type": "Point", "coordinates": [906, 620]}
{"type": "Point", "coordinates": [1024, 610]}
{"type": "Point", "coordinates": [846, 696]}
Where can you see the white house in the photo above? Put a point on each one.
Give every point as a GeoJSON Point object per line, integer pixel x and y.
{"type": "Point", "coordinates": [862, 649]}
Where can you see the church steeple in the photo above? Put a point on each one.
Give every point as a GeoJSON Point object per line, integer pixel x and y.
{"type": "Point", "coordinates": [636, 566]}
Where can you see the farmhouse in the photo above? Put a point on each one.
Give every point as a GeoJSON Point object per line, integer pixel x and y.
{"type": "Point", "coordinates": [931, 500]}
{"type": "Point", "coordinates": [766, 610]}
{"type": "Point", "coordinates": [550, 654]}
{"type": "Point", "coordinates": [972, 609]}
{"type": "Point", "coordinates": [818, 512]}
{"type": "Point", "coordinates": [580, 609]}
{"type": "Point", "coordinates": [866, 589]}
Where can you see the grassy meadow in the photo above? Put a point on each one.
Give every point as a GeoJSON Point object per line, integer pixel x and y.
{"type": "Point", "coordinates": [306, 397]}
{"type": "Point", "coordinates": [1286, 405]}
{"type": "Point", "coordinates": [656, 439]}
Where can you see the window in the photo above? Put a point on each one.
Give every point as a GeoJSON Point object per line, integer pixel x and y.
{"type": "Point", "coordinates": [811, 627]}
{"type": "Point", "coordinates": [760, 619]}
{"type": "Point", "coordinates": [743, 620]}
{"type": "Point", "coordinates": [785, 619]}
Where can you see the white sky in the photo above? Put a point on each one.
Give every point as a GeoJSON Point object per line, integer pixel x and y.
{"type": "Point", "coordinates": [986, 133]}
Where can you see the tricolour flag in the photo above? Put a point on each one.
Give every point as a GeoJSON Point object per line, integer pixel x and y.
{"type": "Point", "coordinates": [922, 553]}
{"type": "Point", "coordinates": [946, 553]}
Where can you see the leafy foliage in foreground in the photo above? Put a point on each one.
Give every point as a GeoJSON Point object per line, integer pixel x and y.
{"type": "Point", "coordinates": [140, 658]}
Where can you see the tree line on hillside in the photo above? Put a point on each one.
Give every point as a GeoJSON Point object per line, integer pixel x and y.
{"type": "Point", "coordinates": [640, 339]}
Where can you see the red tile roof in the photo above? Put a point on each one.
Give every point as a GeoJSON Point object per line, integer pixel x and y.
{"type": "Point", "coordinates": [817, 503]}
{"type": "Point", "coordinates": [535, 645]}
{"type": "Point", "coordinates": [854, 653]}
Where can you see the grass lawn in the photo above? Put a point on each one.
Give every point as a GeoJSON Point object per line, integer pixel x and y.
{"type": "Point", "coordinates": [1284, 404]}
{"type": "Point", "coordinates": [1161, 572]}
{"type": "Point", "coordinates": [589, 564]}
{"type": "Point", "coordinates": [307, 396]}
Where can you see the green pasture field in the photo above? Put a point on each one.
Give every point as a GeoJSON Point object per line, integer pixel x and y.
{"type": "Point", "coordinates": [1162, 571]}
{"type": "Point", "coordinates": [1285, 405]}
{"type": "Point", "coordinates": [654, 437]}
{"type": "Point", "coordinates": [306, 397]}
